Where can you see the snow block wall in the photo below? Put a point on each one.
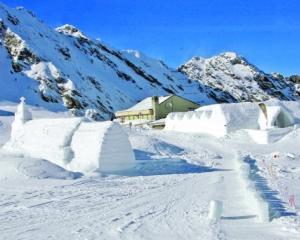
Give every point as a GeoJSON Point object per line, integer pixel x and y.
{"type": "Point", "coordinates": [216, 120]}
{"type": "Point", "coordinates": [221, 119]}
{"type": "Point", "coordinates": [74, 144]}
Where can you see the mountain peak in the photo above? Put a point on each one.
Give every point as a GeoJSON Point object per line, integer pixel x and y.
{"type": "Point", "coordinates": [232, 57]}
{"type": "Point", "coordinates": [235, 79]}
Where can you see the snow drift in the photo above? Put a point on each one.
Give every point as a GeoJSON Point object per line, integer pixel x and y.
{"type": "Point", "coordinates": [18, 167]}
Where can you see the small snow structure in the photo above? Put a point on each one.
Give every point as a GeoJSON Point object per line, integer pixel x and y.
{"type": "Point", "coordinates": [71, 143]}
{"type": "Point", "coordinates": [215, 210]}
{"type": "Point", "coordinates": [22, 115]}
{"type": "Point", "coordinates": [221, 119]}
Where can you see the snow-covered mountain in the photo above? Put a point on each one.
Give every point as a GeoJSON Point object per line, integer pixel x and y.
{"type": "Point", "coordinates": [64, 69]}
{"type": "Point", "coordinates": [237, 80]}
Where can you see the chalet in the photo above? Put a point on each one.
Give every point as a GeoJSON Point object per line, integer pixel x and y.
{"type": "Point", "coordinates": [155, 108]}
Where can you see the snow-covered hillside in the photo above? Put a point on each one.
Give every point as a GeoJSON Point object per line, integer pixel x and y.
{"type": "Point", "coordinates": [64, 69]}
{"type": "Point", "coordinates": [236, 80]}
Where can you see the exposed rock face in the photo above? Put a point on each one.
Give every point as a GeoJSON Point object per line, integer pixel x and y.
{"type": "Point", "coordinates": [64, 69]}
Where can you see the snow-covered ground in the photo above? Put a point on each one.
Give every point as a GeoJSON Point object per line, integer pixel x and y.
{"type": "Point", "coordinates": [165, 196]}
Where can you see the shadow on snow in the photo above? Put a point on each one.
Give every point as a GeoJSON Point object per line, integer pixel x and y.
{"type": "Point", "coordinates": [148, 164]}
{"type": "Point", "coordinates": [6, 113]}
{"type": "Point", "coordinates": [239, 217]}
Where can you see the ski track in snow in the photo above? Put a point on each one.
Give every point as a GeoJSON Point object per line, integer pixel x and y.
{"type": "Point", "coordinates": [164, 204]}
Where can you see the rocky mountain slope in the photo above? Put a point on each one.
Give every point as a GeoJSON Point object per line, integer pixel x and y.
{"type": "Point", "coordinates": [238, 80]}
{"type": "Point", "coordinates": [64, 69]}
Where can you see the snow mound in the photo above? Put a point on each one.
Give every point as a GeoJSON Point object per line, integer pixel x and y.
{"type": "Point", "coordinates": [13, 167]}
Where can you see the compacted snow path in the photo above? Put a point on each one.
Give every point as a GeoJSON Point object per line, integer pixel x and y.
{"type": "Point", "coordinates": [165, 196]}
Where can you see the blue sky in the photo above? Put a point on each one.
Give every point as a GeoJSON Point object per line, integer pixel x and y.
{"type": "Point", "coordinates": [267, 32]}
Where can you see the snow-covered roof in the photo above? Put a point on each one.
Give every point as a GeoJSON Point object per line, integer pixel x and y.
{"type": "Point", "coordinates": [147, 103]}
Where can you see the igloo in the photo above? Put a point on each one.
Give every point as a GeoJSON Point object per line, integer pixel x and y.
{"type": "Point", "coordinates": [73, 143]}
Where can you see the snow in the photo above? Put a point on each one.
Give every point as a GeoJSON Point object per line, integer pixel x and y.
{"type": "Point", "coordinates": [71, 142]}
{"type": "Point", "coordinates": [70, 30]}
{"type": "Point", "coordinates": [233, 79]}
{"type": "Point", "coordinates": [45, 138]}
{"type": "Point", "coordinates": [217, 120]}
{"type": "Point", "coordinates": [146, 104]}
{"type": "Point", "coordinates": [22, 168]}
{"type": "Point", "coordinates": [215, 210]}
{"type": "Point", "coordinates": [102, 146]}
{"type": "Point", "coordinates": [259, 205]}
{"type": "Point", "coordinates": [166, 195]}
{"type": "Point", "coordinates": [70, 64]}
{"type": "Point", "coordinates": [221, 119]}
{"type": "Point", "coordinates": [268, 136]}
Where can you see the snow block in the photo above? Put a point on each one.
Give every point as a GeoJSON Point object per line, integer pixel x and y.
{"type": "Point", "coordinates": [101, 145]}
{"type": "Point", "coordinates": [215, 210]}
{"type": "Point", "coordinates": [264, 215]}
